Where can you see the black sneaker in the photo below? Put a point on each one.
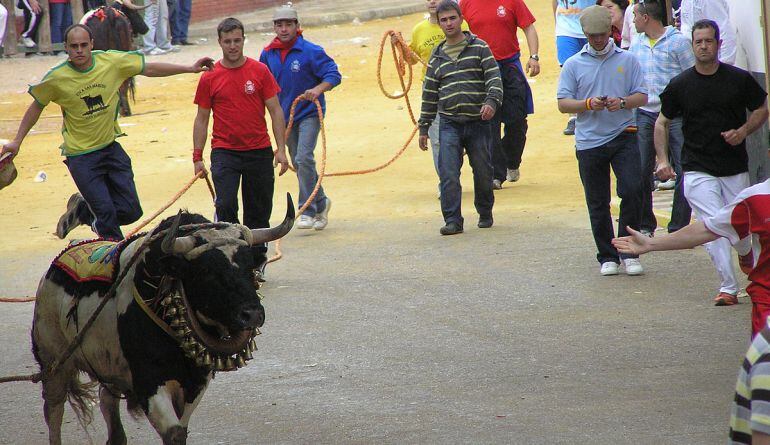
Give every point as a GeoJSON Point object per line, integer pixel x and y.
{"type": "Point", "coordinates": [570, 129]}
{"type": "Point", "coordinates": [69, 220]}
{"type": "Point", "coordinates": [451, 229]}
{"type": "Point", "coordinates": [485, 223]}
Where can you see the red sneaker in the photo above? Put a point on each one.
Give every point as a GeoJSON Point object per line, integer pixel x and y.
{"type": "Point", "coordinates": [746, 262]}
{"type": "Point", "coordinates": [725, 299]}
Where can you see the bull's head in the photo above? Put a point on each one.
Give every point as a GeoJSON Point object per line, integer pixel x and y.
{"type": "Point", "coordinates": [215, 266]}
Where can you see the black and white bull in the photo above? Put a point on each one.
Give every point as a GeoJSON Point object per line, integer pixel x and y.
{"type": "Point", "coordinates": [128, 353]}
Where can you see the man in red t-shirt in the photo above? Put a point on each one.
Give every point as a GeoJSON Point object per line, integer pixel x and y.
{"type": "Point", "coordinates": [496, 23]}
{"type": "Point", "coordinates": [238, 90]}
{"type": "Point", "coordinates": [747, 216]}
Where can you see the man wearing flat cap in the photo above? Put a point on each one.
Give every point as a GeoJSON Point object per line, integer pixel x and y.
{"type": "Point", "coordinates": [602, 84]}
{"type": "Point", "coordinates": [302, 69]}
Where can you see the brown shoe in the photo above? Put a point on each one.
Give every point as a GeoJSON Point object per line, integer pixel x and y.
{"type": "Point", "coordinates": [725, 299]}
{"type": "Point", "coordinates": [69, 220]}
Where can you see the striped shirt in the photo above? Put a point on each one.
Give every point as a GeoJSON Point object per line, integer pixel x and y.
{"type": "Point", "coordinates": [457, 89]}
{"type": "Point", "coordinates": [751, 407]}
{"type": "Point", "coordinates": [661, 62]}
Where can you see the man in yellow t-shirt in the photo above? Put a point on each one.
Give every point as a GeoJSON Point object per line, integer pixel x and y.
{"type": "Point", "coordinates": [426, 35]}
{"type": "Point", "coordinates": [86, 89]}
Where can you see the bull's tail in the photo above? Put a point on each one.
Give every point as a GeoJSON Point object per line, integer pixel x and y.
{"type": "Point", "coordinates": [63, 384]}
{"type": "Point", "coordinates": [82, 398]}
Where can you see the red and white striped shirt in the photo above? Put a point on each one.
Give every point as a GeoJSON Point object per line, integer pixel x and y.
{"type": "Point", "coordinates": [749, 215]}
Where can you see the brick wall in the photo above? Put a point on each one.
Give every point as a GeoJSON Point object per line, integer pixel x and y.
{"type": "Point", "coordinates": [203, 10]}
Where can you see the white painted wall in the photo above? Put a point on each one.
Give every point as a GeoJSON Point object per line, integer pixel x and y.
{"type": "Point", "coordinates": [746, 16]}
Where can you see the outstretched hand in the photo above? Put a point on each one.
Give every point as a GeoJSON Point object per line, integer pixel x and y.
{"type": "Point", "coordinates": [11, 147]}
{"type": "Point", "coordinates": [635, 244]}
{"type": "Point", "coordinates": [203, 64]}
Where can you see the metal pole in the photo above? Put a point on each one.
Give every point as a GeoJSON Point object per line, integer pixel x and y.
{"type": "Point", "coordinates": [766, 32]}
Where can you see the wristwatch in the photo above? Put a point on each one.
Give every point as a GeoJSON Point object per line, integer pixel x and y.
{"type": "Point", "coordinates": [535, 57]}
{"type": "Point", "coordinates": [622, 103]}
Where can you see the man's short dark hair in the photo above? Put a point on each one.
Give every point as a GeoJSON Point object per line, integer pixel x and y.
{"type": "Point", "coordinates": [229, 24]}
{"type": "Point", "coordinates": [77, 25]}
{"type": "Point", "coordinates": [706, 24]}
{"type": "Point", "coordinates": [653, 9]}
{"type": "Point", "coordinates": [622, 4]}
{"type": "Point", "coordinates": [448, 5]}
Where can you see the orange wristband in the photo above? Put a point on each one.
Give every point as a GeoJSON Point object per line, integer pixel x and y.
{"type": "Point", "coordinates": [588, 104]}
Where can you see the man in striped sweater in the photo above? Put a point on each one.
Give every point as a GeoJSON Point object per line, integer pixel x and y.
{"type": "Point", "coordinates": [463, 85]}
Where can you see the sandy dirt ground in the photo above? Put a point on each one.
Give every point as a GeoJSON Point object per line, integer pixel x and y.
{"type": "Point", "coordinates": [378, 329]}
{"type": "Point", "coordinates": [364, 130]}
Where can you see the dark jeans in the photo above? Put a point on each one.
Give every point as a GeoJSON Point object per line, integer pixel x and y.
{"type": "Point", "coordinates": [680, 211]}
{"type": "Point", "coordinates": [180, 20]}
{"type": "Point", "coordinates": [61, 19]}
{"type": "Point", "coordinates": [253, 169]}
{"type": "Point", "coordinates": [475, 137]}
{"type": "Point", "coordinates": [106, 181]}
{"type": "Point", "coordinates": [507, 151]}
{"type": "Point", "coordinates": [622, 154]}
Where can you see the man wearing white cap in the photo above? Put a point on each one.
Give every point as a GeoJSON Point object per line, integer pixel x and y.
{"type": "Point", "coordinates": [302, 69]}
{"type": "Point", "coordinates": [602, 84]}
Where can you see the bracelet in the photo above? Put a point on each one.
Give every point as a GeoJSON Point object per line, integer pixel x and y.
{"type": "Point", "coordinates": [197, 154]}
{"type": "Point", "coordinates": [588, 104]}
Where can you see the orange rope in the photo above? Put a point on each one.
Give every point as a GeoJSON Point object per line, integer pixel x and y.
{"type": "Point", "coordinates": [400, 51]}
{"type": "Point", "coordinates": [170, 203]}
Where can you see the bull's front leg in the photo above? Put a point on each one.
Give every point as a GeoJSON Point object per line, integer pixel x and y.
{"type": "Point", "coordinates": [162, 413]}
{"type": "Point", "coordinates": [196, 396]}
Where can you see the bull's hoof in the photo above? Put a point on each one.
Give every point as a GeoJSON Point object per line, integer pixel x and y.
{"type": "Point", "coordinates": [176, 435]}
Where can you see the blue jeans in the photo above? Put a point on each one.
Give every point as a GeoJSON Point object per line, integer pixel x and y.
{"type": "Point", "coordinates": [622, 154]}
{"type": "Point", "coordinates": [156, 18]}
{"type": "Point", "coordinates": [106, 181]}
{"type": "Point", "coordinates": [301, 143]}
{"type": "Point", "coordinates": [180, 20]}
{"type": "Point", "coordinates": [61, 19]}
{"type": "Point", "coordinates": [475, 137]}
{"type": "Point", "coordinates": [680, 211]}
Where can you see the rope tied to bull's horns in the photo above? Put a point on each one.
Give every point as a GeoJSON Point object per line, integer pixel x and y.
{"type": "Point", "coordinates": [111, 292]}
{"type": "Point", "coordinates": [141, 225]}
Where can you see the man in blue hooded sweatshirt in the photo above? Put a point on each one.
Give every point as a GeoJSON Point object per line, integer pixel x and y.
{"type": "Point", "coordinates": [302, 69]}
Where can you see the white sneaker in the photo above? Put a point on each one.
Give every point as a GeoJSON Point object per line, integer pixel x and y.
{"type": "Point", "coordinates": [633, 266]}
{"type": "Point", "coordinates": [496, 184]}
{"type": "Point", "coordinates": [609, 268]}
{"type": "Point", "coordinates": [322, 219]}
{"type": "Point", "coordinates": [305, 222]}
{"type": "Point", "coordinates": [29, 43]}
{"type": "Point", "coordinates": [157, 52]}
{"type": "Point", "coordinates": [513, 175]}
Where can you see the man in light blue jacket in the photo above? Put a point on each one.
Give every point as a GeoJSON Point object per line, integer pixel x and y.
{"type": "Point", "coordinates": [302, 69]}
{"type": "Point", "coordinates": [663, 54]}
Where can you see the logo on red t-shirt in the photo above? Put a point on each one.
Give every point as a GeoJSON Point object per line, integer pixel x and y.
{"type": "Point", "coordinates": [501, 11]}
{"type": "Point", "coordinates": [249, 87]}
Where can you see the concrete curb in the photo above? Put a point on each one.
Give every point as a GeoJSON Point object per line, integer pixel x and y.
{"type": "Point", "coordinates": [257, 23]}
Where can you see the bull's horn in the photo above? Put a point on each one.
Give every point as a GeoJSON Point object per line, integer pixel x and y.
{"type": "Point", "coordinates": [173, 245]}
{"type": "Point", "coordinates": [265, 235]}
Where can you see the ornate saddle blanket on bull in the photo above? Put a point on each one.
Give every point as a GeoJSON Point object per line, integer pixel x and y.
{"type": "Point", "coordinates": [90, 260]}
